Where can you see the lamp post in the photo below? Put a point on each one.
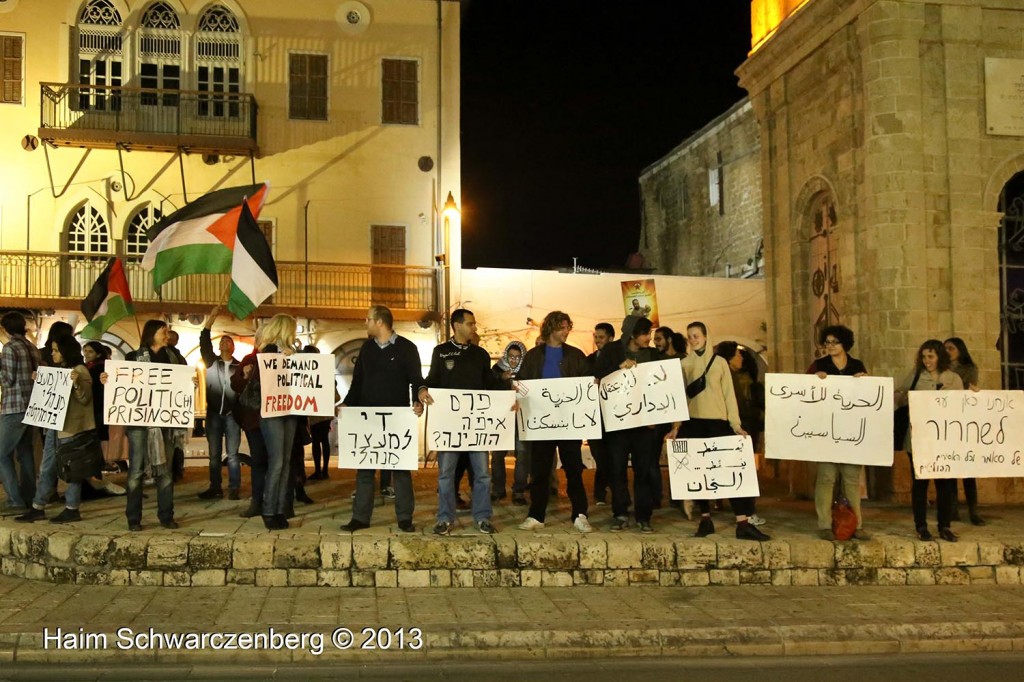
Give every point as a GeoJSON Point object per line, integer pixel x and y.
{"type": "Point", "coordinates": [449, 209]}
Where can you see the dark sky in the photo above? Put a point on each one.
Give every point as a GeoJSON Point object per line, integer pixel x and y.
{"type": "Point", "coordinates": [564, 102]}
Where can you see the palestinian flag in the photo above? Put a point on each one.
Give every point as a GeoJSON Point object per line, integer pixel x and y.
{"type": "Point", "coordinates": [108, 301]}
{"type": "Point", "coordinates": [199, 239]}
{"type": "Point", "coordinates": [253, 273]}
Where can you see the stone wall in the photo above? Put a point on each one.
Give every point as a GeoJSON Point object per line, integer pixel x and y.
{"type": "Point", "coordinates": [683, 233]}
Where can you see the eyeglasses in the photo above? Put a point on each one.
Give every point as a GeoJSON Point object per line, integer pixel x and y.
{"type": "Point", "coordinates": [832, 342]}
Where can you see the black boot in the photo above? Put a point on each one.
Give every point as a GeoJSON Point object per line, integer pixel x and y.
{"type": "Point", "coordinates": [301, 496]}
{"type": "Point", "coordinates": [254, 509]}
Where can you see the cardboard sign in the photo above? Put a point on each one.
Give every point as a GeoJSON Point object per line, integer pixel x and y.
{"type": "Point", "coordinates": [471, 421]}
{"type": "Point", "coordinates": [712, 468]}
{"type": "Point", "coordinates": [967, 434]}
{"type": "Point", "coordinates": [378, 438]}
{"type": "Point", "coordinates": [48, 403]}
{"type": "Point", "coordinates": [649, 394]}
{"type": "Point", "coordinates": [300, 384]}
{"type": "Point", "coordinates": [847, 420]}
{"type": "Point", "coordinates": [148, 394]}
{"type": "Point", "coordinates": [558, 409]}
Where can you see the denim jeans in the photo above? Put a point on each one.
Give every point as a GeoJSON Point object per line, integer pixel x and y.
{"type": "Point", "coordinates": [47, 470]}
{"type": "Point", "coordinates": [16, 441]}
{"type": "Point", "coordinates": [446, 462]}
{"type": "Point", "coordinates": [278, 434]}
{"type": "Point", "coordinates": [138, 437]}
{"type": "Point", "coordinates": [218, 428]}
{"type": "Point", "coordinates": [73, 492]}
{"type": "Point", "coordinates": [521, 474]}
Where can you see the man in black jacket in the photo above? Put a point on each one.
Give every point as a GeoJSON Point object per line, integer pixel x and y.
{"type": "Point", "coordinates": [604, 334]}
{"type": "Point", "coordinates": [460, 364]}
{"type": "Point", "coordinates": [387, 374]}
{"type": "Point", "coordinates": [220, 401]}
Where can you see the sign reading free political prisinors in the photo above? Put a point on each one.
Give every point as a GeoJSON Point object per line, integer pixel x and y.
{"type": "Point", "coordinates": [301, 384]}
{"type": "Point", "coordinates": [48, 403]}
{"type": "Point", "coordinates": [967, 434]}
{"type": "Point", "coordinates": [148, 394]}
{"type": "Point", "coordinates": [378, 438]}
{"type": "Point", "coordinates": [470, 421]}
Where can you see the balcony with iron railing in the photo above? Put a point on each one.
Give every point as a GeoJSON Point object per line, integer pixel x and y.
{"type": "Point", "coordinates": [107, 117]}
{"type": "Point", "coordinates": [323, 290]}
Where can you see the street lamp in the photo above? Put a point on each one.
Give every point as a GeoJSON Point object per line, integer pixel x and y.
{"type": "Point", "coordinates": [449, 210]}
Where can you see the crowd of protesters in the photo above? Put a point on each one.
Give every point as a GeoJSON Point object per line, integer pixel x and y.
{"type": "Point", "coordinates": [724, 394]}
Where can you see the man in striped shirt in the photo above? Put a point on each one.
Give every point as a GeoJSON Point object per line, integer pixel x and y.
{"type": "Point", "coordinates": [18, 362]}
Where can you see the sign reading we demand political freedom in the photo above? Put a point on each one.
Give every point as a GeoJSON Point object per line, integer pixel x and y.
{"type": "Point", "coordinates": [298, 384]}
{"type": "Point", "coordinates": [148, 394]}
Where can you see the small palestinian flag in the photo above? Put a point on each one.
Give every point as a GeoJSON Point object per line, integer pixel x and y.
{"type": "Point", "coordinates": [108, 301]}
{"type": "Point", "coordinates": [200, 238]}
{"type": "Point", "coordinates": [253, 273]}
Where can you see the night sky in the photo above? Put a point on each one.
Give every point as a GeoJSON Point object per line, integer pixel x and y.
{"type": "Point", "coordinates": [564, 102]}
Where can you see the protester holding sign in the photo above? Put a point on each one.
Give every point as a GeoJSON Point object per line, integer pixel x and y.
{"type": "Point", "coordinates": [505, 372]}
{"type": "Point", "coordinates": [221, 427]}
{"type": "Point", "coordinates": [461, 364]}
{"type": "Point", "coordinates": [960, 361]}
{"type": "Point", "coordinates": [67, 353]}
{"type": "Point", "coordinates": [553, 358]}
{"type": "Point", "coordinates": [931, 373]}
{"type": "Point", "coordinates": [837, 341]}
{"type": "Point", "coordinates": [713, 413]}
{"type": "Point", "coordinates": [641, 442]}
{"type": "Point", "coordinates": [387, 373]}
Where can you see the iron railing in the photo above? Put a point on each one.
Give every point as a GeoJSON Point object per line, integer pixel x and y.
{"type": "Point", "coordinates": [115, 109]}
{"type": "Point", "coordinates": [38, 275]}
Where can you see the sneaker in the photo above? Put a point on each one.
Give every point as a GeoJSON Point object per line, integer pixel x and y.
{"type": "Point", "coordinates": [67, 516]}
{"type": "Point", "coordinates": [388, 492]}
{"type": "Point", "coordinates": [32, 514]}
{"type": "Point", "coordinates": [582, 524]}
{"type": "Point", "coordinates": [861, 534]}
{"type": "Point", "coordinates": [354, 525]}
{"type": "Point", "coordinates": [531, 524]}
{"type": "Point", "coordinates": [645, 527]}
{"type": "Point", "coordinates": [923, 534]}
{"type": "Point", "coordinates": [12, 510]}
{"type": "Point", "coordinates": [705, 528]}
{"type": "Point", "coordinates": [353, 495]}
{"type": "Point", "coordinates": [443, 528]}
{"type": "Point", "coordinates": [620, 523]}
{"type": "Point", "coordinates": [756, 520]}
{"type": "Point", "coordinates": [747, 531]}
{"type": "Point", "coordinates": [406, 527]}
{"type": "Point", "coordinates": [600, 502]}
{"type": "Point", "coordinates": [485, 527]}
{"type": "Point", "coordinates": [211, 494]}
{"type": "Point", "coordinates": [519, 500]}
{"type": "Point", "coordinates": [233, 494]}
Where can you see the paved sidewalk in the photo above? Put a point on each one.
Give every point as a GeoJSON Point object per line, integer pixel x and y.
{"type": "Point", "coordinates": [502, 623]}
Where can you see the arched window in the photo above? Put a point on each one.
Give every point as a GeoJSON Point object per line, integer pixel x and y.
{"type": "Point", "coordinates": [100, 56]}
{"type": "Point", "coordinates": [218, 57]}
{"type": "Point", "coordinates": [160, 55]}
{"type": "Point", "coordinates": [1011, 282]}
{"type": "Point", "coordinates": [136, 241]}
{"type": "Point", "coordinates": [88, 232]}
{"type": "Point", "coordinates": [823, 266]}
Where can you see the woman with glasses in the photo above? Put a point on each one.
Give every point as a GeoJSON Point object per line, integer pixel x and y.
{"type": "Point", "coordinates": [837, 341]}
{"type": "Point", "coordinates": [931, 373]}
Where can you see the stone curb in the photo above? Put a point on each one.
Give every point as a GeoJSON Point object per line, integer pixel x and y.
{"type": "Point", "coordinates": [491, 644]}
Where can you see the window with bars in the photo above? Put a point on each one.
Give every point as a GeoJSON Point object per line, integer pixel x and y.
{"type": "Point", "coordinates": [12, 50]}
{"type": "Point", "coordinates": [159, 48]}
{"type": "Point", "coordinates": [100, 56]}
{"type": "Point", "coordinates": [218, 50]}
{"type": "Point", "coordinates": [307, 86]}
{"type": "Point", "coordinates": [400, 91]}
{"type": "Point", "coordinates": [136, 239]}
{"type": "Point", "coordinates": [88, 232]}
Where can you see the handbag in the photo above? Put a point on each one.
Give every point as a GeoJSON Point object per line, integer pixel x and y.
{"type": "Point", "coordinates": [249, 398]}
{"type": "Point", "coordinates": [901, 420]}
{"type": "Point", "coordinates": [694, 388]}
{"type": "Point", "coordinates": [80, 457]}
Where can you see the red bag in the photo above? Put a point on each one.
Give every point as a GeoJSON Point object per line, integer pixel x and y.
{"type": "Point", "coordinates": [844, 520]}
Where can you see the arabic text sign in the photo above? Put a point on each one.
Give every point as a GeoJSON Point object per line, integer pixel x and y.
{"type": "Point", "coordinates": [471, 421]}
{"type": "Point", "coordinates": [559, 409]}
{"type": "Point", "coordinates": [378, 438]}
{"type": "Point", "coordinates": [712, 468]}
{"type": "Point", "coordinates": [48, 403]}
{"type": "Point", "coordinates": [148, 394]}
{"type": "Point", "coordinates": [847, 420]}
{"type": "Point", "coordinates": [967, 434]}
{"type": "Point", "coordinates": [648, 394]}
{"type": "Point", "coordinates": [302, 383]}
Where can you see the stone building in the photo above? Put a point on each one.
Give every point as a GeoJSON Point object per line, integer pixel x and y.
{"type": "Point", "coordinates": [701, 203]}
{"type": "Point", "coordinates": [892, 150]}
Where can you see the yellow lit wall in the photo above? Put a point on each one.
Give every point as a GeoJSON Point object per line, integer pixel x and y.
{"type": "Point", "coordinates": [765, 17]}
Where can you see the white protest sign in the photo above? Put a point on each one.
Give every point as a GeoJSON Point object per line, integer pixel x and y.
{"type": "Point", "coordinates": [471, 421]}
{"type": "Point", "coordinates": [712, 468]}
{"type": "Point", "coordinates": [378, 438]}
{"type": "Point", "coordinates": [646, 395]}
{"type": "Point", "coordinates": [301, 384]}
{"type": "Point", "coordinates": [148, 394]}
{"type": "Point", "coordinates": [48, 403]}
{"type": "Point", "coordinates": [847, 420]}
{"type": "Point", "coordinates": [967, 434]}
{"type": "Point", "coordinates": [558, 409]}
